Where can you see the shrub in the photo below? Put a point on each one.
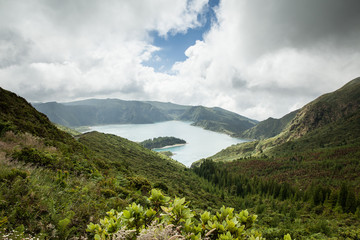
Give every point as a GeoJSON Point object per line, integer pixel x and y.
{"type": "Point", "coordinates": [173, 219]}
{"type": "Point", "coordinates": [32, 155]}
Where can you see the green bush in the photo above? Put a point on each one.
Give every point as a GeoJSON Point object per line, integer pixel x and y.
{"type": "Point", "coordinates": [32, 155]}
{"type": "Point", "coordinates": [174, 219]}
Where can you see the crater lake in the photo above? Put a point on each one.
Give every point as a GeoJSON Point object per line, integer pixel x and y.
{"type": "Point", "coordinates": [200, 143]}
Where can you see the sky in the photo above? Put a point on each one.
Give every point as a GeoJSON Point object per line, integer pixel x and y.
{"type": "Point", "coordinates": [258, 58]}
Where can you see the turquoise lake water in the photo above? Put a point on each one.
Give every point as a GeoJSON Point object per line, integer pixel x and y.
{"type": "Point", "coordinates": [200, 143]}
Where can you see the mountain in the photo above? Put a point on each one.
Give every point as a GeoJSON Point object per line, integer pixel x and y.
{"type": "Point", "coordinates": [217, 119]}
{"type": "Point", "coordinates": [171, 109]}
{"type": "Point", "coordinates": [313, 161]}
{"type": "Point", "coordinates": [104, 111]}
{"type": "Point", "coordinates": [17, 115]}
{"type": "Point", "coordinates": [269, 127]}
{"type": "Point", "coordinates": [333, 107]}
{"type": "Point", "coordinates": [115, 111]}
{"type": "Point", "coordinates": [330, 120]}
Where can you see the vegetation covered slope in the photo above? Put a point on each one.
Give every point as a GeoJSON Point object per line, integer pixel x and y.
{"type": "Point", "coordinates": [18, 115]}
{"type": "Point", "coordinates": [52, 185]}
{"type": "Point", "coordinates": [218, 120]}
{"type": "Point", "coordinates": [308, 175]}
{"type": "Point", "coordinates": [269, 127]}
{"type": "Point", "coordinates": [326, 109]}
{"type": "Point", "coordinates": [330, 120]}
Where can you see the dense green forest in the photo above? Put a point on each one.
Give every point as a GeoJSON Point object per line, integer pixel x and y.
{"type": "Point", "coordinates": [160, 142]}
{"type": "Point", "coordinates": [317, 210]}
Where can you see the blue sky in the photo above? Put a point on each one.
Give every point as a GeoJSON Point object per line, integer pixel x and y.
{"type": "Point", "coordinates": [173, 46]}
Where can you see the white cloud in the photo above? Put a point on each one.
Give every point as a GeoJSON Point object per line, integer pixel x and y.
{"type": "Point", "coordinates": [266, 58]}
{"type": "Point", "coordinates": [80, 49]}
{"type": "Point", "coordinates": [261, 59]}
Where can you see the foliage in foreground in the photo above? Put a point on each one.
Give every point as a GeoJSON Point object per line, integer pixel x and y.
{"type": "Point", "coordinates": [163, 218]}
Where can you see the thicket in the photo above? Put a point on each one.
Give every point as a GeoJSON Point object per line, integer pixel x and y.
{"type": "Point", "coordinates": [160, 142]}
{"type": "Point", "coordinates": [163, 218]}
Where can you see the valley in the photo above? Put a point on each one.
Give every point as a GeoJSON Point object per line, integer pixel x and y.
{"type": "Point", "coordinates": [300, 175]}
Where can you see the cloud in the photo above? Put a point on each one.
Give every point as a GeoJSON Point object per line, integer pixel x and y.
{"type": "Point", "coordinates": [260, 58]}
{"type": "Point", "coordinates": [269, 57]}
{"type": "Point", "coordinates": [61, 50]}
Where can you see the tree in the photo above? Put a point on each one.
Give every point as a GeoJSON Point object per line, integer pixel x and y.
{"type": "Point", "coordinates": [343, 196]}
{"type": "Point", "coordinates": [350, 205]}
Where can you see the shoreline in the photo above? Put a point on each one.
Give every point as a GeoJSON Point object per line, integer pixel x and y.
{"type": "Point", "coordinates": [170, 146]}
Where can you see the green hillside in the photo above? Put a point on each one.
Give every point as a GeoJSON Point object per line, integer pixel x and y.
{"type": "Point", "coordinates": [330, 120]}
{"type": "Point", "coordinates": [218, 120]}
{"type": "Point", "coordinates": [18, 115]}
{"type": "Point", "coordinates": [307, 175]}
{"type": "Point", "coordinates": [269, 127]}
{"type": "Point", "coordinates": [52, 185]}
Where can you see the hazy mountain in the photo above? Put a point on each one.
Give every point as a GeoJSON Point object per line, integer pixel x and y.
{"type": "Point", "coordinates": [171, 109]}
{"type": "Point", "coordinates": [101, 111]}
{"type": "Point", "coordinates": [115, 111]}
{"type": "Point", "coordinates": [217, 119]}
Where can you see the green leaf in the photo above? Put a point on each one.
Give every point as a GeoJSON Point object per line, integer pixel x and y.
{"type": "Point", "coordinates": [205, 217]}
{"type": "Point", "coordinates": [150, 212]}
{"type": "Point", "coordinates": [126, 214]}
{"type": "Point", "coordinates": [287, 237]}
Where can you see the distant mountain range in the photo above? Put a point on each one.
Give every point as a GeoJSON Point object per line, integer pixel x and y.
{"type": "Point", "coordinates": [116, 111]}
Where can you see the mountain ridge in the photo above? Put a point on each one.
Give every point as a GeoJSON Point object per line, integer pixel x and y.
{"type": "Point", "coordinates": [217, 119]}
{"type": "Point", "coordinates": [115, 111]}
{"type": "Point", "coordinates": [312, 124]}
{"type": "Point", "coordinates": [269, 127]}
